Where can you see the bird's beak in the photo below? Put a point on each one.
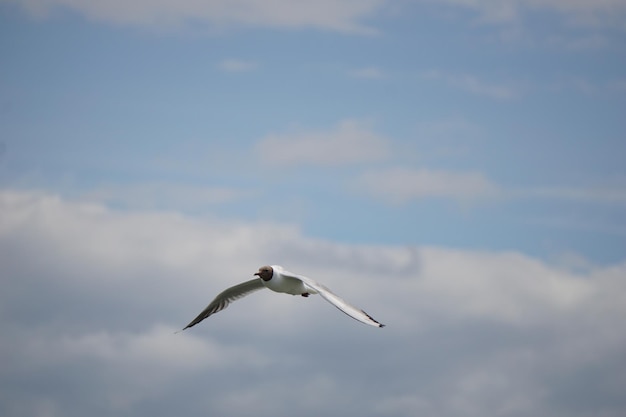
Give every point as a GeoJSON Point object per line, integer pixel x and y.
{"type": "Point", "coordinates": [256, 273]}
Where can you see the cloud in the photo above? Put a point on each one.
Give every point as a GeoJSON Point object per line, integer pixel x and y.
{"type": "Point", "coordinates": [399, 185]}
{"type": "Point", "coordinates": [471, 84]}
{"type": "Point", "coordinates": [165, 195]}
{"type": "Point", "coordinates": [579, 43]}
{"type": "Point", "coordinates": [236, 65]}
{"type": "Point", "coordinates": [601, 194]}
{"type": "Point", "coordinates": [368, 73]}
{"type": "Point", "coordinates": [588, 86]}
{"type": "Point", "coordinates": [350, 142]}
{"type": "Point", "coordinates": [618, 86]}
{"type": "Point", "coordinates": [498, 290]}
{"type": "Point", "coordinates": [402, 184]}
{"type": "Point", "coordinates": [347, 16]}
{"type": "Point", "coordinates": [579, 12]}
{"type": "Point", "coordinates": [91, 297]}
{"type": "Point", "coordinates": [341, 16]}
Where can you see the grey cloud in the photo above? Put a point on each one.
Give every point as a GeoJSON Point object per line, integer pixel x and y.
{"type": "Point", "coordinates": [91, 298]}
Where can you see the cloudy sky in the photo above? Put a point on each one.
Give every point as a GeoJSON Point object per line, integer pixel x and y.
{"type": "Point", "coordinates": [457, 168]}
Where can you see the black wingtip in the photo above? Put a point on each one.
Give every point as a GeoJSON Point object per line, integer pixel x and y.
{"type": "Point", "coordinates": [181, 330]}
{"type": "Point", "coordinates": [373, 319]}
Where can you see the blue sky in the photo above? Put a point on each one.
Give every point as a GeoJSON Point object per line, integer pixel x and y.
{"type": "Point", "coordinates": [475, 150]}
{"type": "Point", "coordinates": [531, 102]}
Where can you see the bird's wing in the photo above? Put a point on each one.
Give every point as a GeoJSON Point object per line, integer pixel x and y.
{"type": "Point", "coordinates": [227, 296]}
{"type": "Point", "coordinates": [352, 311]}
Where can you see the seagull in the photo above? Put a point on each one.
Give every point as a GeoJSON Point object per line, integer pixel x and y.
{"type": "Point", "coordinates": [277, 279]}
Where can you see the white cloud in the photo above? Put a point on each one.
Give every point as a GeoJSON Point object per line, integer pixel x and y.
{"type": "Point", "coordinates": [584, 12]}
{"type": "Point", "coordinates": [618, 86]}
{"type": "Point", "coordinates": [165, 195]}
{"type": "Point", "coordinates": [581, 12]}
{"type": "Point", "coordinates": [342, 16]}
{"type": "Point", "coordinates": [398, 185]}
{"type": "Point", "coordinates": [349, 142]}
{"type": "Point", "coordinates": [578, 43]}
{"type": "Point", "coordinates": [474, 85]}
{"type": "Point", "coordinates": [237, 65]}
{"type": "Point", "coordinates": [368, 73]}
{"type": "Point", "coordinates": [91, 297]}
{"type": "Point", "coordinates": [347, 16]}
{"type": "Point", "coordinates": [601, 194]}
{"type": "Point", "coordinates": [588, 86]}
{"type": "Point", "coordinates": [402, 184]}
{"type": "Point", "coordinates": [497, 289]}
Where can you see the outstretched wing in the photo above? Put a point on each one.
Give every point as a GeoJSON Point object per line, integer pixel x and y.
{"type": "Point", "coordinates": [226, 297]}
{"type": "Point", "coordinates": [352, 311]}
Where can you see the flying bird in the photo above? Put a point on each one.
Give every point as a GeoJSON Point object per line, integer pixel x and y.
{"type": "Point", "coordinates": [277, 279]}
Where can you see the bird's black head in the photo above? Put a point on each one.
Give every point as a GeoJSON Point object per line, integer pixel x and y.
{"type": "Point", "coordinates": [265, 273]}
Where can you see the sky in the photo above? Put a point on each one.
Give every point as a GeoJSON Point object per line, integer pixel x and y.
{"type": "Point", "coordinates": [456, 168]}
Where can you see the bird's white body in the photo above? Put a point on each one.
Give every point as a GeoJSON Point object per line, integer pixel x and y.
{"type": "Point", "coordinates": [287, 282]}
